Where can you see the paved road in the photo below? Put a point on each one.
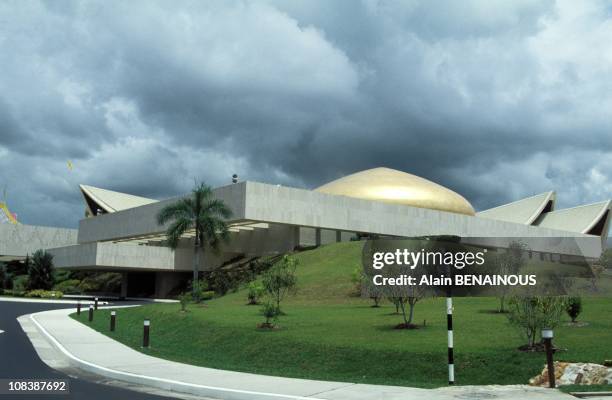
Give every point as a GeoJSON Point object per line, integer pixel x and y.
{"type": "Point", "coordinates": [18, 359]}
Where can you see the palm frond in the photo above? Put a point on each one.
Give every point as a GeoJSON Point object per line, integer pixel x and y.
{"type": "Point", "coordinates": [200, 211]}
{"type": "Point", "coordinates": [183, 208]}
{"type": "Point", "coordinates": [177, 229]}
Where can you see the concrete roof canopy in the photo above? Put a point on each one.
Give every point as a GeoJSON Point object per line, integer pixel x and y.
{"type": "Point", "coordinates": [588, 219]}
{"type": "Point", "coordinates": [525, 211]}
{"type": "Point", "coordinates": [110, 201]}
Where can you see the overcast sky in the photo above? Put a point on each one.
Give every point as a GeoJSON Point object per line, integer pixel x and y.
{"type": "Point", "coordinates": [497, 100]}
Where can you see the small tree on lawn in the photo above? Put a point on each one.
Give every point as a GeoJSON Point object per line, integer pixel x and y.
{"type": "Point", "coordinates": [574, 307]}
{"type": "Point", "coordinates": [40, 271]}
{"type": "Point", "coordinates": [533, 313]}
{"type": "Point", "coordinates": [406, 295]}
{"type": "Point", "coordinates": [280, 279]}
{"type": "Point", "coordinates": [270, 311]}
{"type": "Point", "coordinates": [396, 302]}
{"type": "Point", "coordinates": [184, 300]}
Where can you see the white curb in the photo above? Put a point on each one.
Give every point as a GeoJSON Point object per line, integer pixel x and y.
{"type": "Point", "coordinates": [166, 384]}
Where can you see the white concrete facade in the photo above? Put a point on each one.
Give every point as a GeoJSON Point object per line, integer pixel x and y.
{"type": "Point", "coordinates": [284, 217]}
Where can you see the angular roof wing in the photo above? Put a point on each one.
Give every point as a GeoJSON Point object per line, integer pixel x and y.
{"type": "Point", "coordinates": [110, 201]}
{"type": "Point", "coordinates": [589, 219]}
{"type": "Point", "coordinates": [525, 211]}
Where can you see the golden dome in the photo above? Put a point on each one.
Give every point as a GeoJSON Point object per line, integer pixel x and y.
{"type": "Point", "coordinates": [392, 186]}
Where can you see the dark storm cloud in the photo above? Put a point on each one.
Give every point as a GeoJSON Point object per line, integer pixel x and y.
{"type": "Point", "coordinates": [496, 100]}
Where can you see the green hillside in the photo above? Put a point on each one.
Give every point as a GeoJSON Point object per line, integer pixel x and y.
{"type": "Point", "coordinates": [330, 334]}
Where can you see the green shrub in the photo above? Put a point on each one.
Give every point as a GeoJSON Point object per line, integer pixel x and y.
{"type": "Point", "coordinates": [45, 294]}
{"type": "Point", "coordinates": [199, 290]}
{"type": "Point", "coordinates": [573, 307]}
{"type": "Point", "coordinates": [280, 280]}
{"type": "Point", "coordinates": [107, 282]}
{"type": "Point", "coordinates": [184, 298]}
{"type": "Point", "coordinates": [61, 275]}
{"type": "Point", "coordinates": [270, 311]}
{"type": "Point", "coordinates": [40, 271]}
{"type": "Point", "coordinates": [20, 283]}
{"type": "Point", "coordinates": [14, 293]}
{"type": "Point", "coordinates": [255, 291]}
{"type": "Point", "coordinates": [208, 294]}
{"type": "Point", "coordinates": [531, 314]}
{"type": "Point", "coordinates": [70, 286]}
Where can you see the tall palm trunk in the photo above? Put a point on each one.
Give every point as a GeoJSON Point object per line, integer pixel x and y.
{"type": "Point", "coordinates": [196, 264]}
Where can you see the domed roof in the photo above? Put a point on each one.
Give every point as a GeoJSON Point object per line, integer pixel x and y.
{"type": "Point", "coordinates": [392, 186]}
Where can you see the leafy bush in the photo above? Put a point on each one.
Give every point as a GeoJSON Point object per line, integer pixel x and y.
{"type": "Point", "coordinates": [208, 294]}
{"type": "Point", "coordinates": [45, 294]}
{"type": "Point", "coordinates": [70, 286]}
{"type": "Point", "coordinates": [107, 282]}
{"type": "Point", "coordinates": [255, 291]}
{"type": "Point", "coordinates": [573, 307]}
{"type": "Point", "coordinates": [532, 314]}
{"type": "Point", "coordinates": [184, 300]}
{"type": "Point", "coordinates": [200, 290]}
{"type": "Point", "coordinates": [60, 275]}
{"type": "Point", "coordinates": [20, 283]}
{"type": "Point", "coordinates": [270, 311]}
{"type": "Point", "coordinates": [280, 280]}
{"type": "Point", "coordinates": [15, 293]}
{"type": "Point", "coordinates": [40, 271]}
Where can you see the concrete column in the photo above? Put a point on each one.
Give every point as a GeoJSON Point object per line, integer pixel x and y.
{"type": "Point", "coordinates": [296, 237]}
{"type": "Point", "coordinates": [124, 284]}
{"type": "Point", "coordinates": [318, 237]}
{"type": "Point", "coordinates": [338, 236]}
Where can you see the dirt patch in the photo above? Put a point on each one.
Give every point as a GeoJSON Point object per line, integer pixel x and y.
{"type": "Point", "coordinates": [537, 348]}
{"type": "Point", "coordinates": [406, 326]}
{"type": "Point", "coordinates": [577, 324]}
{"type": "Point", "coordinates": [266, 326]}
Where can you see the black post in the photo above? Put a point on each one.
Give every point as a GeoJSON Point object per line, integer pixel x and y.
{"type": "Point", "coordinates": [79, 307]}
{"type": "Point", "coordinates": [547, 335]}
{"type": "Point", "coordinates": [449, 326]}
{"type": "Point", "coordinates": [112, 321]}
{"type": "Point", "coordinates": [96, 303]}
{"type": "Point", "coordinates": [90, 313]}
{"type": "Point", "coordinates": [145, 333]}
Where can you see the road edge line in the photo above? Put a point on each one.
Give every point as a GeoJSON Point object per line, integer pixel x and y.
{"type": "Point", "coordinates": [162, 383]}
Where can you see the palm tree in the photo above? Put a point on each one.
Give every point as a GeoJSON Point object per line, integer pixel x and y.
{"type": "Point", "coordinates": [200, 212]}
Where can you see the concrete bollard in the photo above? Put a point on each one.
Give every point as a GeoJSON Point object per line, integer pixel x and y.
{"type": "Point", "coordinates": [145, 333]}
{"type": "Point", "coordinates": [113, 316]}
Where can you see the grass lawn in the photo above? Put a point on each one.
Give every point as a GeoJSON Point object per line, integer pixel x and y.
{"type": "Point", "coordinates": [330, 335]}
